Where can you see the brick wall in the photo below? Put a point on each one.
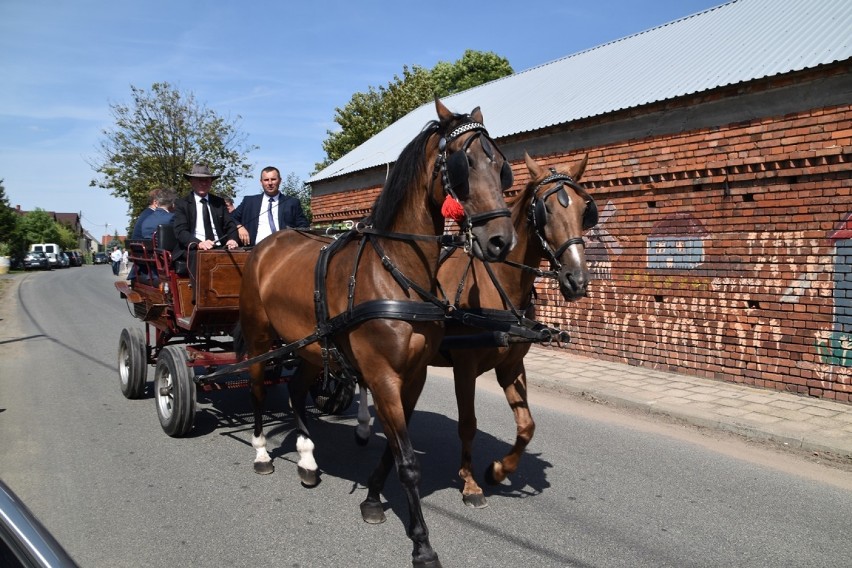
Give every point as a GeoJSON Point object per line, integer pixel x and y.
{"type": "Point", "coordinates": [724, 252]}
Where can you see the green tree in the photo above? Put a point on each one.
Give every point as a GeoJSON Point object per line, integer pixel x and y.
{"type": "Point", "coordinates": [367, 114]}
{"type": "Point", "coordinates": [293, 186]}
{"type": "Point", "coordinates": [8, 218]}
{"type": "Point", "coordinates": [114, 243]}
{"type": "Point", "coordinates": [8, 225]}
{"type": "Point", "coordinates": [157, 138]}
{"type": "Point", "coordinates": [473, 69]}
{"type": "Point", "coordinates": [67, 238]}
{"type": "Point", "coordinates": [39, 227]}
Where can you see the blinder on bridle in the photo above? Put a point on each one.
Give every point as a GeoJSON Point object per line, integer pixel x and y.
{"type": "Point", "coordinates": [590, 215]}
{"type": "Point", "coordinates": [457, 168]}
{"type": "Point", "coordinates": [538, 210]}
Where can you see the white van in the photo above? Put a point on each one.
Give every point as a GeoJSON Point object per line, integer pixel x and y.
{"type": "Point", "coordinates": [51, 250]}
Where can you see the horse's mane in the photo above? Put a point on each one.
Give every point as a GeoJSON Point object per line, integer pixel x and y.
{"type": "Point", "coordinates": [519, 203]}
{"type": "Point", "coordinates": [409, 166]}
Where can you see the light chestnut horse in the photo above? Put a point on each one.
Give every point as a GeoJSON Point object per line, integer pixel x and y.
{"type": "Point", "coordinates": [550, 216]}
{"type": "Point", "coordinates": [298, 285]}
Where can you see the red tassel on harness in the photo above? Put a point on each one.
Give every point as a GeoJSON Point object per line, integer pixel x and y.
{"type": "Point", "coordinates": [452, 209]}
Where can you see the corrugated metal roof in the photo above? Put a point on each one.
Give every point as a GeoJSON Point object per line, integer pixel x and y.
{"type": "Point", "coordinates": [732, 43]}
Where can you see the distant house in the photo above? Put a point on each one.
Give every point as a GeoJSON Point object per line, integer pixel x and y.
{"type": "Point", "coordinates": [107, 239]}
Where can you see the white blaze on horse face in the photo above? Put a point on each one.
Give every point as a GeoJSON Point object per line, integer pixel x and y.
{"type": "Point", "coordinates": [305, 447]}
{"type": "Point", "coordinates": [259, 445]}
{"type": "Point", "coordinates": [576, 258]}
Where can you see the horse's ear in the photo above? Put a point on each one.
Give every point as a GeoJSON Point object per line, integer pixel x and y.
{"type": "Point", "coordinates": [577, 170]}
{"type": "Point", "coordinates": [444, 113]}
{"type": "Point", "coordinates": [536, 171]}
{"type": "Point", "coordinates": [476, 115]}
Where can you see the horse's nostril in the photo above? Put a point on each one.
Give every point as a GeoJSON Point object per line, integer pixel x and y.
{"type": "Point", "coordinates": [497, 246]}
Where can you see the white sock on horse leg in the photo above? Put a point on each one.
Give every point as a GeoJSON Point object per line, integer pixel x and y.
{"type": "Point", "coordinates": [305, 447]}
{"type": "Point", "coordinates": [259, 445]}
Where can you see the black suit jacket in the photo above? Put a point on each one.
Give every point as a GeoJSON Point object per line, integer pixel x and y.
{"type": "Point", "coordinates": [248, 213]}
{"type": "Point", "coordinates": [185, 218]}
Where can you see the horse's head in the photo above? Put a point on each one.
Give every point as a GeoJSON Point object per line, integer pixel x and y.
{"type": "Point", "coordinates": [471, 173]}
{"type": "Point", "coordinates": [560, 211]}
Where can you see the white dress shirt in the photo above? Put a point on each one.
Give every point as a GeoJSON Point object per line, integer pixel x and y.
{"type": "Point", "coordinates": [263, 228]}
{"type": "Point", "coordinates": [199, 219]}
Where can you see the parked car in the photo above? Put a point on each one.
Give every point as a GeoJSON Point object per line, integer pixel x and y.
{"type": "Point", "coordinates": [100, 258]}
{"type": "Point", "coordinates": [75, 258]}
{"type": "Point", "coordinates": [52, 251]}
{"type": "Point", "coordinates": [62, 260]}
{"type": "Point", "coordinates": [36, 260]}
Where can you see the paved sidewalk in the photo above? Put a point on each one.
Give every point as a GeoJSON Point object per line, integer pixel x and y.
{"type": "Point", "coordinates": [799, 421]}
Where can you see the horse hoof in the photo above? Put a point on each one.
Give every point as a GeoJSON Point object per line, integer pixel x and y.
{"type": "Point", "coordinates": [309, 478]}
{"type": "Point", "coordinates": [494, 474]}
{"type": "Point", "coordinates": [434, 563]}
{"type": "Point", "coordinates": [373, 513]}
{"type": "Point", "coordinates": [361, 441]}
{"type": "Point", "coordinates": [475, 500]}
{"type": "Point", "coordinates": [264, 468]}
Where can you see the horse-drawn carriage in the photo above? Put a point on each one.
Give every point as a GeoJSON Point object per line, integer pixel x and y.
{"type": "Point", "coordinates": [189, 331]}
{"type": "Point", "coordinates": [367, 304]}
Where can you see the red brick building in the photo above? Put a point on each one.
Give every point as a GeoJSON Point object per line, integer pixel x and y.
{"type": "Point", "coordinates": [723, 179]}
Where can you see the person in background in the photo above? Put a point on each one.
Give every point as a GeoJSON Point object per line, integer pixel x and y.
{"type": "Point", "coordinates": [258, 216]}
{"type": "Point", "coordinates": [164, 213]}
{"type": "Point", "coordinates": [152, 206]}
{"type": "Point", "coordinates": [160, 215]}
{"type": "Point", "coordinates": [229, 203]}
{"type": "Point", "coordinates": [115, 257]}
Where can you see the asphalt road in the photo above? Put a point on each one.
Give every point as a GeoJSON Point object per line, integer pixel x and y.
{"type": "Point", "coordinates": [596, 489]}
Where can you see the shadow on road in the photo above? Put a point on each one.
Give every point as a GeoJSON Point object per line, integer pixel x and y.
{"type": "Point", "coordinates": [434, 436]}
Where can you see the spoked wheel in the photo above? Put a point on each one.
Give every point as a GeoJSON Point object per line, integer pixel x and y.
{"type": "Point", "coordinates": [132, 363]}
{"type": "Point", "coordinates": [174, 391]}
{"type": "Point", "coordinates": [332, 394]}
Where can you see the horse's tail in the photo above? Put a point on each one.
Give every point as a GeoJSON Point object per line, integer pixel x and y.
{"type": "Point", "coordinates": [239, 341]}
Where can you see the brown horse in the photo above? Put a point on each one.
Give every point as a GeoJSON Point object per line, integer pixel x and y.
{"type": "Point", "coordinates": [549, 216]}
{"type": "Point", "coordinates": [363, 296]}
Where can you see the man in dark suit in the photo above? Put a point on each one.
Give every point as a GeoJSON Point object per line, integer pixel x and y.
{"type": "Point", "coordinates": [201, 218]}
{"type": "Point", "coordinates": [162, 214]}
{"type": "Point", "coordinates": [191, 223]}
{"type": "Point", "coordinates": [258, 216]}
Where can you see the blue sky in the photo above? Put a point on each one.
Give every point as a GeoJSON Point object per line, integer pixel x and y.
{"type": "Point", "coordinates": [282, 67]}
